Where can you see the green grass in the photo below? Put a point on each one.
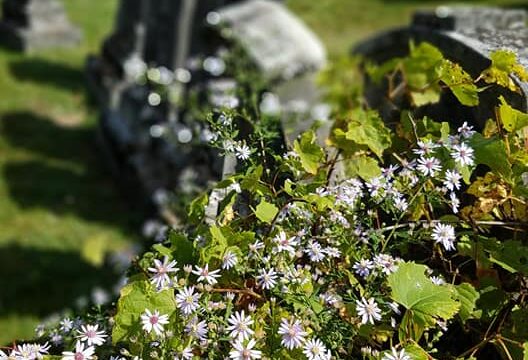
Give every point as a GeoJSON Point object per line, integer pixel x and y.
{"type": "Point", "coordinates": [57, 205]}
{"type": "Point", "coordinates": [58, 209]}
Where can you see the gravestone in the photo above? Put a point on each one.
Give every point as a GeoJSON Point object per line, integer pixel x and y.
{"type": "Point", "coordinates": [36, 24]}
{"type": "Point", "coordinates": [465, 35]}
{"type": "Point", "coordinates": [152, 145]}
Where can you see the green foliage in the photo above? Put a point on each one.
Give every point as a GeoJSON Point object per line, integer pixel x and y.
{"type": "Point", "coordinates": [503, 65]}
{"type": "Point", "coordinates": [310, 153]}
{"type": "Point", "coordinates": [513, 120]}
{"type": "Point", "coordinates": [364, 131]}
{"type": "Point", "coordinates": [135, 297]}
{"type": "Point", "coordinates": [266, 211]}
{"type": "Point", "coordinates": [467, 296]}
{"type": "Point", "coordinates": [425, 302]}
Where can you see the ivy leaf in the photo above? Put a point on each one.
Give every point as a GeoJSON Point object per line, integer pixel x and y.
{"type": "Point", "coordinates": [491, 152]}
{"type": "Point", "coordinates": [135, 297]}
{"type": "Point", "coordinates": [467, 296]}
{"type": "Point", "coordinates": [266, 211]}
{"type": "Point", "coordinates": [525, 351]}
{"type": "Point", "coordinates": [424, 301]}
{"type": "Point", "coordinates": [367, 128]}
{"type": "Point", "coordinates": [512, 119]}
{"type": "Point", "coordinates": [310, 153]}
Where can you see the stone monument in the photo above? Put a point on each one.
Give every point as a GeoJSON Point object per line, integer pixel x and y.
{"type": "Point", "coordinates": [153, 145]}
{"type": "Point", "coordinates": [36, 24]}
{"type": "Point", "coordinates": [465, 35]}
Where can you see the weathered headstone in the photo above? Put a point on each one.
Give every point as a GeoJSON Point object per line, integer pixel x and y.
{"type": "Point", "coordinates": [35, 24]}
{"type": "Point", "coordinates": [150, 143]}
{"type": "Point", "coordinates": [465, 35]}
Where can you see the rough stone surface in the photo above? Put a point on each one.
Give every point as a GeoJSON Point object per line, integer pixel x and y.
{"type": "Point", "coordinates": [35, 24]}
{"type": "Point", "coordinates": [278, 42]}
{"type": "Point", "coordinates": [465, 35]}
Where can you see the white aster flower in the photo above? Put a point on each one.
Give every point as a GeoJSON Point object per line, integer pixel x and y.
{"type": "Point", "coordinates": [229, 260]}
{"type": "Point", "coordinates": [363, 267]}
{"type": "Point", "coordinates": [400, 203]}
{"type": "Point", "coordinates": [463, 154]}
{"type": "Point", "coordinates": [161, 271]}
{"type": "Point", "coordinates": [292, 332]}
{"type": "Point", "coordinates": [445, 235]}
{"type": "Point", "coordinates": [187, 300]}
{"type": "Point", "coordinates": [196, 329]}
{"type": "Point", "coordinates": [315, 251]}
{"type": "Point", "coordinates": [466, 130]}
{"type": "Point", "coordinates": [285, 243]}
{"type": "Point", "coordinates": [386, 263]}
{"type": "Point", "coordinates": [204, 274]}
{"type": "Point", "coordinates": [256, 246]}
{"type": "Point", "coordinates": [267, 279]}
{"type": "Point", "coordinates": [429, 166]}
{"type": "Point", "coordinates": [240, 326]}
{"type": "Point", "coordinates": [455, 202]}
{"type": "Point", "coordinates": [368, 310]}
{"type": "Point", "coordinates": [244, 352]}
{"type": "Point", "coordinates": [395, 355]}
{"type": "Point", "coordinates": [332, 252]}
{"type": "Point", "coordinates": [376, 185]}
{"type": "Point", "coordinates": [425, 147]}
{"type": "Point", "coordinates": [154, 321]}
{"type": "Point", "coordinates": [80, 353]}
{"type": "Point", "coordinates": [452, 180]}
{"type": "Point", "coordinates": [91, 335]}
{"type": "Point", "coordinates": [186, 354]}
{"type": "Point", "coordinates": [66, 325]}
{"type": "Point", "coordinates": [243, 152]}
{"type": "Point", "coordinates": [314, 349]}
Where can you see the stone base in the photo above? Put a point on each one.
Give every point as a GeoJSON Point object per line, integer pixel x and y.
{"type": "Point", "coordinates": [28, 40]}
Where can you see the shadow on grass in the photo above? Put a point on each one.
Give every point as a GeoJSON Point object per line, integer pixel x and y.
{"type": "Point", "coordinates": [41, 282]}
{"type": "Point", "coordinates": [67, 177]}
{"type": "Point", "coordinates": [43, 71]}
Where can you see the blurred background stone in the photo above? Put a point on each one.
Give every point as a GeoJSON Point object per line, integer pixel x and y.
{"type": "Point", "coordinates": [29, 25]}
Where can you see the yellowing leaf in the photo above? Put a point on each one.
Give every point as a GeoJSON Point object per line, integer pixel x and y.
{"type": "Point", "coordinates": [266, 211]}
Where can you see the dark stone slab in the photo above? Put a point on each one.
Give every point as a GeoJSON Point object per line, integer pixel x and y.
{"type": "Point", "coordinates": [465, 35]}
{"type": "Point", "coordinates": [36, 24]}
{"type": "Point", "coordinates": [160, 145]}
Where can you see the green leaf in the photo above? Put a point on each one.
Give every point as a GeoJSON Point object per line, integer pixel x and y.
{"type": "Point", "coordinates": [363, 166]}
{"type": "Point", "coordinates": [310, 153]}
{"type": "Point", "coordinates": [512, 119]}
{"type": "Point", "coordinates": [425, 302]}
{"type": "Point", "coordinates": [135, 297]}
{"type": "Point", "coordinates": [467, 296]}
{"type": "Point", "coordinates": [460, 83]}
{"type": "Point", "coordinates": [511, 256]}
{"type": "Point", "coordinates": [503, 64]}
{"type": "Point", "coordinates": [182, 248]}
{"type": "Point", "coordinates": [491, 152]}
{"type": "Point", "coordinates": [525, 351]}
{"type": "Point", "coordinates": [421, 69]}
{"type": "Point", "coordinates": [416, 352]}
{"type": "Point", "coordinates": [197, 208]}
{"type": "Point", "coordinates": [367, 128]}
{"type": "Point", "coordinates": [266, 211]}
